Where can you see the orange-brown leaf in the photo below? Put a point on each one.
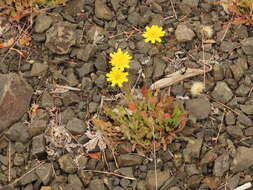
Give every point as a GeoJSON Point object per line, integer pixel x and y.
{"type": "Point", "coordinates": [96, 155]}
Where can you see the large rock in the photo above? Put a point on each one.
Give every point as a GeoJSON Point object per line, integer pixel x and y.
{"type": "Point", "coordinates": [42, 23]}
{"type": "Point", "coordinates": [67, 164]}
{"type": "Point", "coordinates": [60, 37]}
{"type": "Point", "coordinates": [247, 46]}
{"type": "Point", "coordinates": [15, 96]}
{"type": "Point", "coordinates": [184, 34]}
{"type": "Point", "coordinates": [200, 108]}
{"type": "Point", "coordinates": [222, 92]}
{"type": "Point", "coordinates": [45, 173]}
{"type": "Point", "coordinates": [18, 132]}
{"type": "Point", "coordinates": [102, 11]}
{"type": "Point", "coordinates": [162, 177]}
{"type": "Point", "coordinates": [129, 160]}
{"type": "Point", "coordinates": [243, 159]}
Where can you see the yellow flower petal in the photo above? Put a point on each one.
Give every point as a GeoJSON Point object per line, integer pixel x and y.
{"type": "Point", "coordinates": [153, 34]}
{"type": "Point", "coordinates": [117, 77]}
{"type": "Point", "coordinates": [120, 59]}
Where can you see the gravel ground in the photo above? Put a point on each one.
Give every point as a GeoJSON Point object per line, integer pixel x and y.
{"type": "Point", "coordinates": [47, 99]}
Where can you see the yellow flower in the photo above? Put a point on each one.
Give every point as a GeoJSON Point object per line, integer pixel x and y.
{"type": "Point", "coordinates": [120, 59]}
{"type": "Point", "coordinates": [117, 77]}
{"type": "Point", "coordinates": [153, 34]}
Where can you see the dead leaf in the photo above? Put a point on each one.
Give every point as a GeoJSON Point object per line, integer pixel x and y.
{"type": "Point", "coordinates": [25, 40]}
{"type": "Point", "coordinates": [7, 44]}
{"type": "Point", "coordinates": [212, 182]}
{"type": "Point", "coordinates": [96, 155]}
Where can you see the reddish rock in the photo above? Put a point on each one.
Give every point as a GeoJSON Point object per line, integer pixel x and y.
{"type": "Point", "coordinates": [15, 96]}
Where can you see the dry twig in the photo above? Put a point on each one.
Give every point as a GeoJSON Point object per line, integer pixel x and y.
{"type": "Point", "coordinates": [111, 173]}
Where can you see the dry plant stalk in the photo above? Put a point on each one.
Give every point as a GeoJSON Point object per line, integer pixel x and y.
{"type": "Point", "coordinates": [178, 76]}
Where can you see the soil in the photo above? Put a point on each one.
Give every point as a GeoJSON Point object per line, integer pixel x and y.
{"type": "Point", "coordinates": [51, 89]}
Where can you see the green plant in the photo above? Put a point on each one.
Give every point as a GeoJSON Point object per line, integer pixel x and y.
{"type": "Point", "coordinates": [151, 119]}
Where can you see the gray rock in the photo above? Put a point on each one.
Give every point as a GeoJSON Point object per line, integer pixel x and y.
{"type": "Point", "coordinates": [93, 106]}
{"type": "Point", "coordinates": [125, 160]}
{"type": "Point", "coordinates": [227, 46]}
{"type": "Point", "coordinates": [102, 11]}
{"type": "Point", "coordinates": [192, 3]}
{"type": "Point", "coordinates": [96, 184]}
{"type": "Point", "coordinates": [72, 78]}
{"type": "Point", "coordinates": [100, 81]}
{"type": "Point", "coordinates": [117, 188]}
{"type": "Point", "coordinates": [101, 63]}
{"type": "Point", "coordinates": [29, 178]}
{"type": "Point", "coordinates": [29, 187]}
{"type": "Point", "coordinates": [95, 33]}
{"type": "Point", "coordinates": [45, 173]}
{"type": "Point", "coordinates": [19, 159]}
{"type": "Point", "coordinates": [85, 53]}
{"type": "Point", "coordinates": [67, 115]}
{"type": "Point", "coordinates": [162, 177]}
{"type": "Point", "coordinates": [237, 71]}
{"type": "Point", "coordinates": [76, 126]}
{"type": "Point", "coordinates": [248, 131]}
{"type": "Point", "coordinates": [222, 92]}
{"type": "Point", "coordinates": [18, 132]}
{"type": "Point", "coordinates": [73, 8]}
{"type": "Point", "coordinates": [247, 46]}
{"type": "Point", "coordinates": [38, 146]}
{"type": "Point", "coordinates": [158, 67]}
{"type": "Point", "coordinates": [248, 109]}
{"type": "Point", "coordinates": [115, 4]}
{"type": "Point", "coordinates": [86, 83]}
{"type": "Point", "coordinates": [243, 159]}
{"type": "Point", "coordinates": [156, 19]}
{"type": "Point", "coordinates": [47, 101]}
{"type": "Point", "coordinates": [70, 98]}
{"type": "Point", "coordinates": [38, 69]}
{"type": "Point", "coordinates": [135, 67]}
{"type": "Point", "coordinates": [221, 165]}
{"type": "Point", "coordinates": [141, 185]}
{"type": "Point", "coordinates": [230, 118]}
{"type": "Point", "coordinates": [4, 160]}
{"type": "Point", "coordinates": [233, 182]}
{"type": "Point", "coordinates": [143, 47]}
{"type": "Point", "coordinates": [235, 131]}
{"type": "Point", "coordinates": [13, 89]}
{"type": "Point", "coordinates": [184, 34]}
{"type": "Point", "coordinates": [243, 90]}
{"type": "Point", "coordinates": [245, 120]}
{"type": "Point", "coordinates": [156, 7]}
{"type": "Point", "coordinates": [218, 72]}
{"type": "Point", "coordinates": [19, 147]}
{"type": "Point", "coordinates": [208, 157]}
{"type": "Point", "coordinates": [39, 37]}
{"type": "Point", "coordinates": [67, 164]}
{"type": "Point", "coordinates": [37, 127]}
{"type": "Point", "coordinates": [42, 23]}
{"type": "Point", "coordinates": [193, 148]}
{"type": "Point", "coordinates": [124, 183]}
{"type": "Point", "coordinates": [199, 108]}
{"type": "Point", "coordinates": [60, 37]}
{"type": "Point", "coordinates": [126, 171]}
{"type": "Point", "coordinates": [85, 69]}
{"type": "Point", "coordinates": [134, 18]}
{"type": "Point", "coordinates": [192, 169]}
{"type": "Point", "coordinates": [74, 179]}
